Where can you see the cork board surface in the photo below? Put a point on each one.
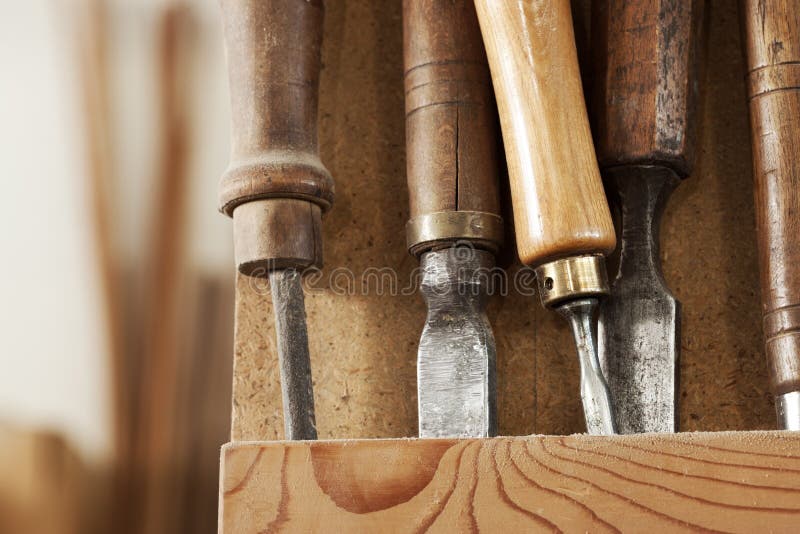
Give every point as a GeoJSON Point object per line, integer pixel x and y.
{"type": "Point", "coordinates": [363, 345]}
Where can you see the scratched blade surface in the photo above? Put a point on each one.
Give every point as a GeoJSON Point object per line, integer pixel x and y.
{"type": "Point", "coordinates": [456, 358]}
{"type": "Point", "coordinates": [639, 323]}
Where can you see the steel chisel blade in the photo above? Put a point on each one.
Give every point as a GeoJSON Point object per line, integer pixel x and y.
{"type": "Point", "coordinates": [456, 358]}
{"type": "Point", "coordinates": [639, 323]}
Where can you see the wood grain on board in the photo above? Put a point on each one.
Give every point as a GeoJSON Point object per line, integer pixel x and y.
{"type": "Point", "coordinates": [732, 482]}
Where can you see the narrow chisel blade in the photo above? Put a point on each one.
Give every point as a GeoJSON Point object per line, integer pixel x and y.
{"type": "Point", "coordinates": [456, 358]}
{"type": "Point", "coordinates": [295, 365]}
{"type": "Point", "coordinates": [639, 323]}
{"type": "Point", "coordinates": [595, 395]}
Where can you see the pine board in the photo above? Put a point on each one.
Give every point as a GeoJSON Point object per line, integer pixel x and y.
{"type": "Point", "coordinates": [728, 481]}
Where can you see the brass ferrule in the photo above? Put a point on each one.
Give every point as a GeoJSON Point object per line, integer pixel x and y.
{"type": "Point", "coordinates": [433, 230]}
{"type": "Point", "coordinates": [572, 278]}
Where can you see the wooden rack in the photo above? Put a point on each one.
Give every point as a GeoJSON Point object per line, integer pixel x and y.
{"type": "Point", "coordinates": [724, 481]}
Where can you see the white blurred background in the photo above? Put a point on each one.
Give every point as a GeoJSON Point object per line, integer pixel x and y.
{"type": "Point", "coordinates": [117, 283]}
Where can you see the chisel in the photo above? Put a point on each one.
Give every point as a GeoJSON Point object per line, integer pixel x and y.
{"type": "Point", "coordinates": [276, 188]}
{"type": "Point", "coordinates": [562, 221]}
{"type": "Point", "coordinates": [455, 226]}
{"type": "Point", "coordinates": [644, 97]}
{"type": "Point", "coordinates": [772, 47]}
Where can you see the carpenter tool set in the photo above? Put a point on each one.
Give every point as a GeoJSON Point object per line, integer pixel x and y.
{"type": "Point", "coordinates": [468, 62]}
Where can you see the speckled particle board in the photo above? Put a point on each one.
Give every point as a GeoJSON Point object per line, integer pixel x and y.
{"type": "Point", "coordinates": [363, 345]}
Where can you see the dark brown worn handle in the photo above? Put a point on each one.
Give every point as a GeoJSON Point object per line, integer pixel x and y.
{"type": "Point", "coordinates": [772, 43]}
{"type": "Point", "coordinates": [451, 127]}
{"type": "Point", "coordinates": [645, 84]}
{"type": "Point", "coordinates": [276, 186]}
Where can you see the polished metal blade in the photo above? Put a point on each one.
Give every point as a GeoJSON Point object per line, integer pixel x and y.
{"type": "Point", "coordinates": [597, 404]}
{"type": "Point", "coordinates": [639, 323]}
{"type": "Point", "coordinates": [295, 365]}
{"type": "Point", "coordinates": [787, 407]}
{"type": "Point", "coordinates": [456, 359]}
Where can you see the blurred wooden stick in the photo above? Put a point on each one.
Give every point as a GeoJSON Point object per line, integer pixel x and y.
{"type": "Point", "coordinates": [91, 45]}
{"type": "Point", "coordinates": [161, 377]}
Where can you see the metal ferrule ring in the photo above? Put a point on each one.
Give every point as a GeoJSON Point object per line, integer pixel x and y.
{"type": "Point", "coordinates": [434, 230]}
{"type": "Point", "coordinates": [572, 278]}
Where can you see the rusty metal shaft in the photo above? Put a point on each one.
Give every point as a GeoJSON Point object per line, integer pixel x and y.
{"type": "Point", "coordinates": [294, 361]}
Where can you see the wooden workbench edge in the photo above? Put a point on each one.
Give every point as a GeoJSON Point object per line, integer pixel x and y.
{"type": "Point", "coordinates": [730, 481]}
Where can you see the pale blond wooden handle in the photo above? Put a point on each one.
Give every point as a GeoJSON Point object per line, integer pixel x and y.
{"type": "Point", "coordinates": [560, 208]}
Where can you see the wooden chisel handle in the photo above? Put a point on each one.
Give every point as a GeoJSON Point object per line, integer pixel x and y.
{"type": "Point", "coordinates": [772, 44]}
{"type": "Point", "coordinates": [645, 83]}
{"type": "Point", "coordinates": [560, 208]}
{"type": "Point", "coordinates": [276, 188]}
{"type": "Point", "coordinates": [451, 128]}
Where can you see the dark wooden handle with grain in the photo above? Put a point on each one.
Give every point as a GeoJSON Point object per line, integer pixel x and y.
{"type": "Point", "coordinates": [451, 127]}
{"type": "Point", "coordinates": [276, 186]}
{"type": "Point", "coordinates": [772, 43]}
{"type": "Point", "coordinates": [645, 82]}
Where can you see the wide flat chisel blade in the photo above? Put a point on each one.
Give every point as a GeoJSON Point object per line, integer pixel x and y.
{"type": "Point", "coordinates": [295, 364]}
{"type": "Point", "coordinates": [456, 359]}
{"type": "Point", "coordinates": [639, 323]}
